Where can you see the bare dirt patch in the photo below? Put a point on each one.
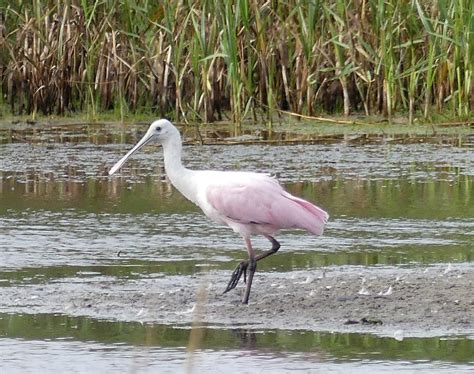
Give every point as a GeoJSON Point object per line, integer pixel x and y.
{"type": "Point", "coordinates": [401, 302]}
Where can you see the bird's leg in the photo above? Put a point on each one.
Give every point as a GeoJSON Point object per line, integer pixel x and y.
{"type": "Point", "coordinates": [241, 268]}
{"type": "Point", "coordinates": [275, 248]}
{"type": "Point", "coordinates": [252, 267]}
{"type": "Point", "coordinates": [244, 265]}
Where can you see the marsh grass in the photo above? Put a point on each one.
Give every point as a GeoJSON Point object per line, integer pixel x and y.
{"type": "Point", "coordinates": [200, 60]}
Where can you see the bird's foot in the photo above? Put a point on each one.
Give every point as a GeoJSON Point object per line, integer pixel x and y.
{"type": "Point", "coordinates": [236, 274]}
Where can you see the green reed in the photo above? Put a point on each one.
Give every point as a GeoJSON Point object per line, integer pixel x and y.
{"type": "Point", "coordinates": [209, 60]}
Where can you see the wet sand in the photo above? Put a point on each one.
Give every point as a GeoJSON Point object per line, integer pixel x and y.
{"type": "Point", "coordinates": [399, 302]}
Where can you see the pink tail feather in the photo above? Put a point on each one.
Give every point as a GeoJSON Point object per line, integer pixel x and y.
{"type": "Point", "coordinates": [314, 220]}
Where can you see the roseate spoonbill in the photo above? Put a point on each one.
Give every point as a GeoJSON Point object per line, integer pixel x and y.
{"type": "Point", "coordinates": [249, 203]}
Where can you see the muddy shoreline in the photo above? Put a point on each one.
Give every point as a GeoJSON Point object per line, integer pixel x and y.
{"type": "Point", "coordinates": [399, 302]}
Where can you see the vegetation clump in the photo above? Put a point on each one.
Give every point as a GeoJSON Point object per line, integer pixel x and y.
{"type": "Point", "coordinates": [250, 58]}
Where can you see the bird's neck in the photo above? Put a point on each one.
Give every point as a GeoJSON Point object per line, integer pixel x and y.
{"type": "Point", "coordinates": [180, 176]}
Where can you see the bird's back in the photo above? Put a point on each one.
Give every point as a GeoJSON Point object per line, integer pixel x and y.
{"type": "Point", "coordinates": [255, 203]}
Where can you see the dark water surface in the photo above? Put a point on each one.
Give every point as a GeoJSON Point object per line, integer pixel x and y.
{"type": "Point", "coordinates": [63, 218]}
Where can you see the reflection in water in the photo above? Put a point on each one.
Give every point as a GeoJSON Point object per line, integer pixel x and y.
{"type": "Point", "coordinates": [402, 197]}
{"type": "Point", "coordinates": [86, 357]}
{"type": "Point", "coordinates": [323, 346]}
{"type": "Point", "coordinates": [105, 133]}
{"type": "Point", "coordinates": [171, 234]}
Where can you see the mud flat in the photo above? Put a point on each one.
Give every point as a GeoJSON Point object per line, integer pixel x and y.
{"type": "Point", "coordinates": [391, 301]}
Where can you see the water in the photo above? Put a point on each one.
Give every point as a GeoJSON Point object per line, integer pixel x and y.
{"type": "Point", "coordinates": [64, 222]}
{"type": "Point", "coordinates": [147, 348]}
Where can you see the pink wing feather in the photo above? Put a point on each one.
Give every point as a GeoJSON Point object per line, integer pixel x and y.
{"type": "Point", "coordinates": [261, 200]}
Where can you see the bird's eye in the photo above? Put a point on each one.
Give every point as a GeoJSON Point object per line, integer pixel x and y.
{"type": "Point", "coordinates": [158, 129]}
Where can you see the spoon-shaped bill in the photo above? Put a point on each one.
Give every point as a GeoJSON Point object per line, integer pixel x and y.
{"type": "Point", "coordinates": [143, 141]}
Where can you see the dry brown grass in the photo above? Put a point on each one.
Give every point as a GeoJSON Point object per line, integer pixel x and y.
{"type": "Point", "coordinates": [203, 59]}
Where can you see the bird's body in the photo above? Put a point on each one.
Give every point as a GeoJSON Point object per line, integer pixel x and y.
{"type": "Point", "coordinates": [250, 203]}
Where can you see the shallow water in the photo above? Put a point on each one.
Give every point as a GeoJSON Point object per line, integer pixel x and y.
{"type": "Point", "coordinates": [62, 219]}
{"type": "Point", "coordinates": [147, 348]}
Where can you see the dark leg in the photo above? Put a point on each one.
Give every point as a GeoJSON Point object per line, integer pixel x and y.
{"type": "Point", "coordinates": [275, 248]}
{"type": "Point", "coordinates": [252, 267]}
{"type": "Point", "coordinates": [242, 267]}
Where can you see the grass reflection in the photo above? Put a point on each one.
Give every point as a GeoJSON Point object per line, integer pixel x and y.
{"type": "Point", "coordinates": [340, 346]}
{"type": "Point", "coordinates": [403, 197]}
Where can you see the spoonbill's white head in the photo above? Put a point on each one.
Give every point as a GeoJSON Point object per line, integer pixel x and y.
{"type": "Point", "coordinates": [161, 131]}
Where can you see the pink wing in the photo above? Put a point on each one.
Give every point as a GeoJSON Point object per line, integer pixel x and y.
{"type": "Point", "coordinates": [261, 200]}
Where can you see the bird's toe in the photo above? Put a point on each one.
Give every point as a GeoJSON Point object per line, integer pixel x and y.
{"type": "Point", "coordinates": [236, 275]}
